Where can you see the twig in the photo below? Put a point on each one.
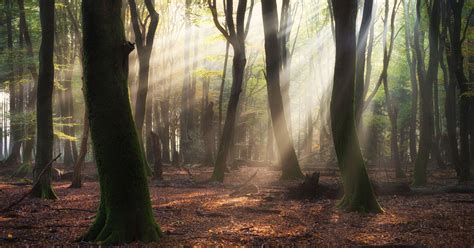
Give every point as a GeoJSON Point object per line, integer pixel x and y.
{"type": "Point", "coordinates": [34, 185]}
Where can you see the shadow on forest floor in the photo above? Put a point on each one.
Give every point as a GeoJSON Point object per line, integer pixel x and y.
{"type": "Point", "coordinates": [251, 208]}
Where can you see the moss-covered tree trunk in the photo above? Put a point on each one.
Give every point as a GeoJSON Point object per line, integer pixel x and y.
{"type": "Point", "coordinates": [286, 150]}
{"type": "Point", "coordinates": [125, 213]}
{"type": "Point", "coordinates": [44, 106]}
{"type": "Point", "coordinates": [358, 192]}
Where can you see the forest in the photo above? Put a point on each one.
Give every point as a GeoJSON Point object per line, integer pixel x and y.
{"type": "Point", "coordinates": [249, 123]}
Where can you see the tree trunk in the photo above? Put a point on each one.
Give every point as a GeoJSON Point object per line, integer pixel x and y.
{"type": "Point", "coordinates": [426, 90]}
{"type": "Point", "coordinates": [144, 43]}
{"type": "Point", "coordinates": [125, 214]}
{"type": "Point", "coordinates": [392, 110]}
{"type": "Point", "coordinates": [221, 92]}
{"type": "Point", "coordinates": [157, 165]}
{"type": "Point", "coordinates": [44, 106]}
{"type": "Point", "coordinates": [79, 165]}
{"type": "Point", "coordinates": [15, 139]}
{"type": "Point", "coordinates": [238, 67]}
{"type": "Point", "coordinates": [358, 192]}
{"type": "Point", "coordinates": [360, 60]}
{"type": "Point", "coordinates": [410, 57]}
{"type": "Point", "coordinates": [165, 139]}
{"type": "Point", "coordinates": [286, 150]}
{"type": "Point", "coordinates": [285, 75]}
{"type": "Point", "coordinates": [464, 104]}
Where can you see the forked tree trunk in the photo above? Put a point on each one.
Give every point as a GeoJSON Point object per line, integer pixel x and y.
{"type": "Point", "coordinates": [426, 91]}
{"type": "Point", "coordinates": [125, 214]}
{"type": "Point", "coordinates": [44, 106]}
{"type": "Point", "coordinates": [358, 192]}
{"type": "Point", "coordinates": [286, 150]}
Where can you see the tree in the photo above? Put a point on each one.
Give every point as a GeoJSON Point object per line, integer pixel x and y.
{"type": "Point", "coordinates": [426, 89]}
{"type": "Point", "coordinates": [14, 156]}
{"type": "Point", "coordinates": [273, 61]}
{"type": "Point", "coordinates": [358, 192]}
{"type": "Point", "coordinates": [31, 102]}
{"type": "Point", "coordinates": [360, 60]}
{"type": "Point", "coordinates": [410, 57]}
{"type": "Point", "coordinates": [391, 108]}
{"type": "Point", "coordinates": [125, 212]}
{"type": "Point", "coordinates": [44, 106]}
{"type": "Point", "coordinates": [457, 66]}
{"type": "Point", "coordinates": [144, 43]}
{"type": "Point", "coordinates": [235, 34]}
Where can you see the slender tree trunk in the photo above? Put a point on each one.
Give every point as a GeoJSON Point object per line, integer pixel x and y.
{"type": "Point", "coordinates": [286, 150]}
{"type": "Point", "coordinates": [284, 33]}
{"type": "Point", "coordinates": [14, 156]}
{"type": "Point", "coordinates": [79, 165]}
{"type": "Point", "coordinates": [125, 214]}
{"type": "Point", "coordinates": [358, 193]}
{"type": "Point", "coordinates": [235, 35]}
{"type": "Point", "coordinates": [270, 135]}
{"type": "Point", "coordinates": [464, 104]}
{"type": "Point", "coordinates": [410, 57]}
{"type": "Point", "coordinates": [238, 67]}
{"type": "Point", "coordinates": [360, 60]}
{"type": "Point", "coordinates": [391, 108]}
{"type": "Point", "coordinates": [144, 43]}
{"type": "Point", "coordinates": [426, 91]}
{"type": "Point", "coordinates": [165, 139]}
{"type": "Point", "coordinates": [44, 108]}
{"type": "Point", "coordinates": [221, 92]}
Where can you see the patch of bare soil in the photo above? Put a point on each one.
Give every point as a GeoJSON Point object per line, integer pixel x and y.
{"type": "Point", "coordinates": [251, 210]}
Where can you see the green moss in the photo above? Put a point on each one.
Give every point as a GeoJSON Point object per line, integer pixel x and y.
{"type": "Point", "coordinates": [125, 214]}
{"type": "Point", "coordinates": [44, 191]}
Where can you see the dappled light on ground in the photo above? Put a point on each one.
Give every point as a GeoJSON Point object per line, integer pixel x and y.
{"type": "Point", "coordinates": [212, 214]}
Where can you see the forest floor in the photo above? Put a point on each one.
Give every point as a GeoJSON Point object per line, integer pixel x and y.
{"type": "Point", "coordinates": [260, 213]}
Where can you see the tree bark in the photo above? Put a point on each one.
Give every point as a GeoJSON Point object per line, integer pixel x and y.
{"type": "Point", "coordinates": [358, 192]}
{"type": "Point", "coordinates": [79, 165]}
{"type": "Point", "coordinates": [426, 90]}
{"type": "Point", "coordinates": [360, 60]}
{"type": "Point", "coordinates": [410, 57]}
{"type": "Point", "coordinates": [125, 214]}
{"type": "Point", "coordinates": [235, 35]}
{"type": "Point", "coordinates": [273, 62]}
{"type": "Point", "coordinates": [44, 107]}
{"type": "Point", "coordinates": [144, 44]}
{"type": "Point", "coordinates": [464, 104]}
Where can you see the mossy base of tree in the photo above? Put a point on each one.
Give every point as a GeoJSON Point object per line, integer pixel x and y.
{"type": "Point", "coordinates": [115, 228]}
{"type": "Point", "coordinates": [44, 191]}
{"type": "Point", "coordinates": [359, 203]}
{"type": "Point", "coordinates": [419, 173]}
{"type": "Point", "coordinates": [218, 175]}
{"type": "Point", "coordinates": [292, 174]}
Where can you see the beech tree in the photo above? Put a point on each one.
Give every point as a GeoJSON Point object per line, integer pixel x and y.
{"type": "Point", "coordinates": [44, 106]}
{"type": "Point", "coordinates": [235, 33]}
{"type": "Point", "coordinates": [286, 150]}
{"type": "Point", "coordinates": [425, 80]}
{"type": "Point", "coordinates": [125, 214]}
{"type": "Point", "coordinates": [358, 192]}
